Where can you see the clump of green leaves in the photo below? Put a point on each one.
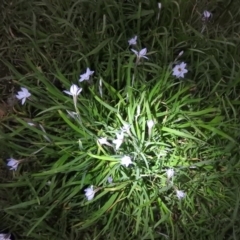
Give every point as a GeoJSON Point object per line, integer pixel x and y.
{"type": "Point", "coordinates": [194, 129]}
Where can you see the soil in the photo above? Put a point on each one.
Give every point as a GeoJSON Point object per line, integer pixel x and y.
{"type": "Point", "coordinates": [7, 101]}
{"type": "Point", "coordinates": [7, 92]}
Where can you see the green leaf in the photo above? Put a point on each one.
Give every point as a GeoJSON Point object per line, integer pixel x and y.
{"type": "Point", "coordinates": [178, 133]}
{"type": "Point", "coordinates": [99, 47]}
{"type": "Point", "coordinates": [99, 212]}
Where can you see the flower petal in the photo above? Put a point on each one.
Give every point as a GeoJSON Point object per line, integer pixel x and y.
{"type": "Point", "coordinates": [67, 92]}
{"type": "Point", "coordinates": [143, 52]}
{"type": "Point", "coordinates": [23, 100]}
{"type": "Point", "coordinates": [136, 52]}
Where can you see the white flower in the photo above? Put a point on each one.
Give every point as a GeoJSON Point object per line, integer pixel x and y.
{"type": "Point", "coordinates": [150, 123]}
{"type": "Point", "coordinates": [86, 75]}
{"type": "Point", "coordinates": [5, 236]}
{"type": "Point", "coordinates": [118, 142]}
{"type": "Point", "coordinates": [126, 128]}
{"type": "Point", "coordinates": [103, 140]}
{"type": "Point", "coordinates": [170, 173]}
{"type": "Point", "coordinates": [180, 194]}
{"type": "Point", "coordinates": [110, 179]}
{"type": "Point", "coordinates": [120, 135]}
{"type": "Point", "coordinates": [159, 5]}
{"type": "Point", "coordinates": [23, 95]}
{"type": "Point", "coordinates": [74, 90]}
{"type": "Point", "coordinates": [132, 41]}
{"type": "Point", "coordinates": [179, 70]}
{"type": "Point", "coordinates": [206, 15]}
{"type": "Point", "coordinates": [126, 160]}
{"type": "Point", "coordinates": [13, 163]}
{"type": "Point", "coordinates": [89, 193]}
{"type": "Point", "coordinates": [141, 54]}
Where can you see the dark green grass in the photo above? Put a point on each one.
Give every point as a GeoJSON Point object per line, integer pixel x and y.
{"type": "Point", "coordinates": [46, 45]}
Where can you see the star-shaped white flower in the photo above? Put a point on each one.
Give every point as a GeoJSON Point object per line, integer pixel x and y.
{"type": "Point", "coordinates": [86, 75]}
{"type": "Point", "coordinates": [126, 161]}
{"type": "Point", "coordinates": [126, 128]}
{"type": "Point", "coordinates": [23, 95]}
{"type": "Point", "coordinates": [180, 194]}
{"type": "Point", "coordinates": [118, 142]}
{"type": "Point", "coordinates": [103, 140]}
{"type": "Point", "coordinates": [170, 173]}
{"type": "Point", "coordinates": [13, 163]}
{"type": "Point", "coordinates": [74, 90]}
{"type": "Point", "coordinates": [89, 193]}
{"type": "Point", "coordinates": [141, 54]}
{"type": "Point", "coordinates": [132, 41]}
{"type": "Point", "coordinates": [179, 70]}
{"type": "Point", "coordinates": [207, 14]}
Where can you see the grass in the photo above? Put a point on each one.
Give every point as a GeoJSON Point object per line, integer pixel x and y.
{"type": "Point", "coordinates": [46, 46]}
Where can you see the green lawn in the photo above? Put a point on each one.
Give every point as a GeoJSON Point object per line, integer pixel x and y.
{"type": "Point", "coordinates": [91, 166]}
